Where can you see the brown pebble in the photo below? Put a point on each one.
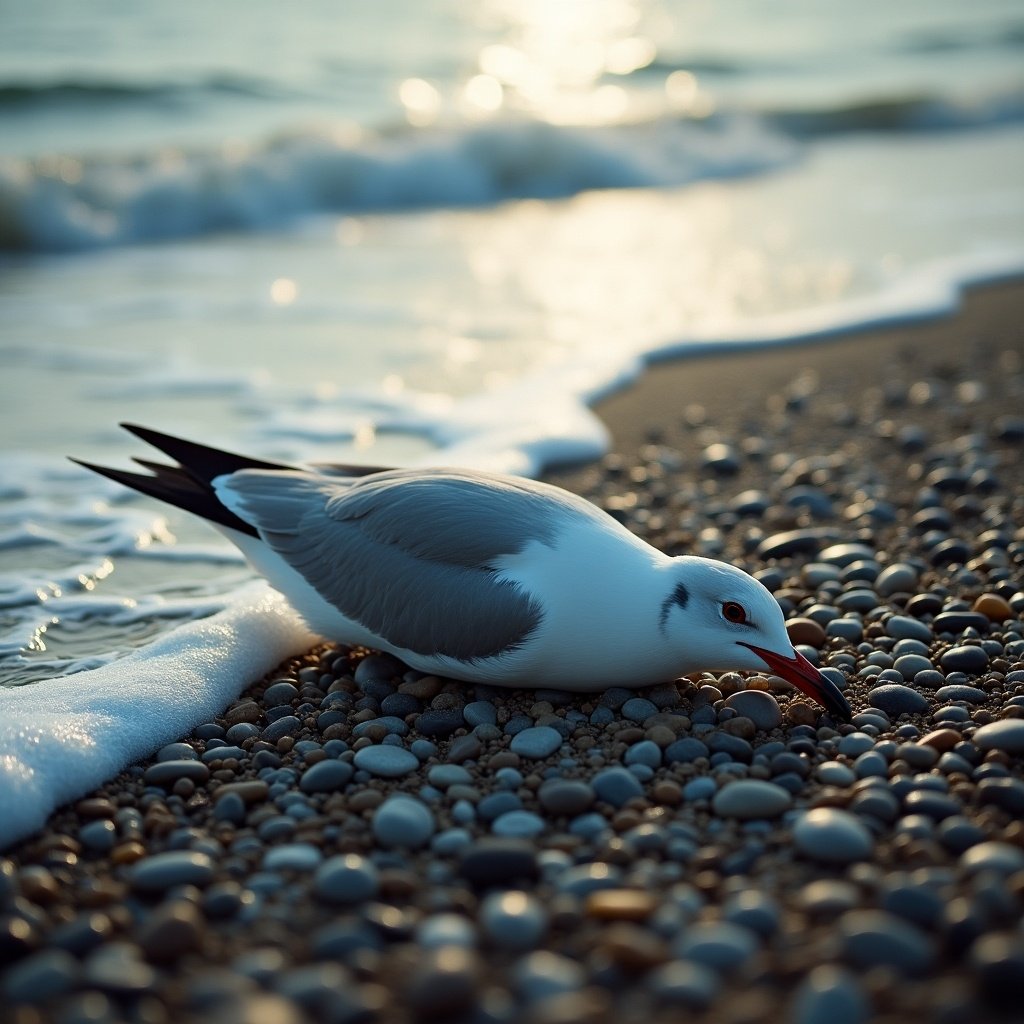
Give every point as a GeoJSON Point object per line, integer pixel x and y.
{"type": "Point", "coordinates": [365, 800]}
{"type": "Point", "coordinates": [633, 948]}
{"type": "Point", "coordinates": [425, 689]}
{"type": "Point", "coordinates": [667, 792]}
{"type": "Point", "coordinates": [251, 790]}
{"type": "Point", "coordinates": [246, 711]}
{"type": "Point", "coordinates": [503, 759]}
{"type": "Point", "coordinates": [758, 683]}
{"type": "Point", "coordinates": [740, 726]}
{"type": "Point", "coordinates": [801, 713]}
{"type": "Point", "coordinates": [95, 807]}
{"type": "Point", "coordinates": [127, 853]}
{"type": "Point", "coordinates": [941, 740]}
{"type": "Point", "coordinates": [620, 904]}
{"type": "Point", "coordinates": [993, 607]}
{"type": "Point", "coordinates": [171, 931]}
{"type": "Point", "coordinates": [660, 734]}
{"type": "Point", "coordinates": [805, 631]}
{"type": "Point", "coordinates": [184, 788]}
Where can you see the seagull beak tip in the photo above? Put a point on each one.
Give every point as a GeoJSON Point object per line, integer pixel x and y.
{"type": "Point", "coordinates": [809, 680]}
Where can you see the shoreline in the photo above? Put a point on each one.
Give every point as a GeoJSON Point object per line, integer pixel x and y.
{"type": "Point", "coordinates": [715, 847]}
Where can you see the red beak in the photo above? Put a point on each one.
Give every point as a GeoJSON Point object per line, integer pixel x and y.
{"type": "Point", "coordinates": [804, 676]}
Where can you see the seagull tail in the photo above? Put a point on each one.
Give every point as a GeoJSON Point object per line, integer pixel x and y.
{"type": "Point", "coordinates": [187, 485]}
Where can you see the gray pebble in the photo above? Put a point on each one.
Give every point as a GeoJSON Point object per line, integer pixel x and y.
{"type": "Point", "coordinates": [719, 945]}
{"type": "Point", "coordinates": [536, 742]}
{"type": "Point", "coordinates": [403, 821]}
{"type": "Point", "coordinates": [961, 691]}
{"type": "Point", "coordinates": [513, 920]}
{"type": "Point", "coordinates": [387, 761]}
{"type": "Point", "coordinates": [1001, 858]}
{"type": "Point", "coordinates": [177, 752]}
{"type": "Point", "coordinates": [163, 871]}
{"type": "Point", "coordinates": [348, 878]}
{"type": "Point", "coordinates": [904, 627]}
{"type": "Point", "coordinates": [566, 796]}
{"type": "Point", "coordinates": [835, 773]}
{"type": "Point", "coordinates": [638, 709]}
{"type": "Point", "coordinates": [684, 983]}
{"type": "Point", "coordinates": [874, 938]}
{"type": "Point", "coordinates": [292, 857]}
{"type": "Point", "coordinates": [616, 786]}
{"type": "Point", "coordinates": [751, 798]}
{"type": "Point", "coordinates": [968, 659]}
{"type": "Point", "coordinates": [480, 712]}
{"type": "Point", "coordinates": [908, 665]}
{"type": "Point", "coordinates": [518, 825]}
{"type": "Point", "coordinates": [326, 777]}
{"type": "Point", "coordinates": [830, 995]}
{"type": "Point", "coordinates": [98, 836]}
{"type": "Point", "coordinates": [1006, 735]}
{"type": "Point", "coordinates": [287, 725]}
{"type": "Point", "coordinates": [895, 700]}
{"type": "Point", "coordinates": [543, 974]}
{"type": "Point", "coordinates": [757, 705]}
{"type": "Point", "coordinates": [855, 743]}
{"type": "Point", "coordinates": [833, 836]}
{"type": "Point", "coordinates": [896, 578]}
{"type": "Point", "coordinates": [167, 773]}
{"type": "Point", "coordinates": [42, 976]}
{"type": "Point", "coordinates": [645, 752]}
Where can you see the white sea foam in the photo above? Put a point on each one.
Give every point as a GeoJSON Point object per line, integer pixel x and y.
{"type": "Point", "coordinates": [60, 740]}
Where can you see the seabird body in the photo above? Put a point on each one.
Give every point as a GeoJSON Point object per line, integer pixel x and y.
{"type": "Point", "coordinates": [479, 576]}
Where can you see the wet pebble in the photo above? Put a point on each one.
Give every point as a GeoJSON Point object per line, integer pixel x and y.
{"type": "Point", "coordinates": [346, 879]}
{"type": "Point", "coordinates": [616, 786]}
{"type": "Point", "coordinates": [895, 700]}
{"type": "Point", "coordinates": [832, 836]}
{"type": "Point", "coordinates": [1006, 735]}
{"type": "Point", "coordinates": [874, 938]}
{"type": "Point", "coordinates": [388, 762]}
{"type": "Point", "coordinates": [760, 707]}
{"type": "Point", "coordinates": [163, 871]}
{"type": "Point", "coordinates": [751, 798]}
{"type": "Point", "coordinates": [536, 742]}
{"type": "Point", "coordinates": [403, 821]}
{"type": "Point", "coordinates": [513, 920]}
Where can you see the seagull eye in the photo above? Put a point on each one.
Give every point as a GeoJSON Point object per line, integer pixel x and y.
{"type": "Point", "coordinates": [734, 612]}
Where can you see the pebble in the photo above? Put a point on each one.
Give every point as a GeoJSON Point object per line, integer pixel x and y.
{"type": "Point", "coordinates": [1007, 736]}
{"type": "Point", "coordinates": [566, 796]}
{"type": "Point", "coordinates": [757, 705]}
{"type": "Point", "coordinates": [968, 659]}
{"type": "Point", "coordinates": [403, 821]}
{"type": "Point", "coordinates": [832, 836]}
{"type": "Point", "coordinates": [903, 627]}
{"type": "Point", "coordinates": [638, 709]}
{"type": "Point", "coordinates": [346, 879]}
{"type": "Point", "coordinates": [326, 777]}
{"type": "Point", "coordinates": [518, 824]}
{"type": "Point", "coordinates": [513, 920]}
{"type": "Point", "coordinates": [616, 786]}
{"type": "Point", "coordinates": [386, 761]}
{"type": "Point", "coordinates": [874, 938]}
{"type": "Point", "coordinates": [163, 871]}
{"type": "Point", "coordinates": [830, 995]}
{"type": "Point", "coordinates": [1001, 858]}
{"type": "Point", "coordinates": [895, 700]}
{"type": "Point", "coordinates": [719, 945]}
{"type": "Point", "coordinates": [536, 742]}
{"type": "Point", "coordinates": [751, 798]}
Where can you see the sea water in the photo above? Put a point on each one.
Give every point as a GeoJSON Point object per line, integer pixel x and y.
{"type": "Point", "coordinates": [409, 233]}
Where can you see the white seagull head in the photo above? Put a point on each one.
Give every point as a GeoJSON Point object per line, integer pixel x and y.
{"type": "Point", "coordinates": [725, 619]}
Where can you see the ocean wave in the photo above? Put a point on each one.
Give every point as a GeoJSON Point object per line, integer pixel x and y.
{"type": "Point", "coordinates": [64, 203]}
{"type": "Point", "coordinates": [71, 92]}
{"type": "Point", "coordinates": [60, 204]}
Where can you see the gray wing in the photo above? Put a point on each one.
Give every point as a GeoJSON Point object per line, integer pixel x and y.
{"type": "Point", "coordinates": [410, 554]}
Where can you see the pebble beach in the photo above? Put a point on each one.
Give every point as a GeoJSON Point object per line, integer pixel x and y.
{"type": "Point", "coordinates": [353, 842]}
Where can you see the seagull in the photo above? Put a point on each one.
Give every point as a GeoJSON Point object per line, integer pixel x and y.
{"type": "Point", "coordinates": [479, 576]}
